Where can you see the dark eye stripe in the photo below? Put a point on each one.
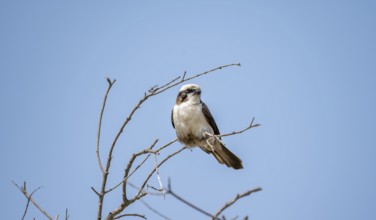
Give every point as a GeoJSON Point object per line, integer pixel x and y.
{"type": "Point", "coordinates": [190, 90]}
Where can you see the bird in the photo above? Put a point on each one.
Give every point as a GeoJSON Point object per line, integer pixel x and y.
{"type": "Point", "coordinates": [195, 126]}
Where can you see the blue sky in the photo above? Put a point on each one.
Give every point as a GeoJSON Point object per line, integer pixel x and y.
{"type": "Point", "coordinates": [307, 75]}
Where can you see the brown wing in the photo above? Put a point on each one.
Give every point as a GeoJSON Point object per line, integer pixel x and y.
{"type": "Point", "coordinates": [172, 118]}
{"type": "Point", "coordinates": [209, 118]}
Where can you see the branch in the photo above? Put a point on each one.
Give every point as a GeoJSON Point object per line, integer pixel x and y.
{"type": "Point", "coordinates": [141, 193]}
{"type": "Point", "coordinates": [154, 210]}
{"type": "Point", "coordinates": [104, 172]}
{"type": "Point", "coordinates": [183, 79]}
{"type": "Point", "coordinates": [156, 167]}
{"type": "Point", "coordinates": [158, 193]}
{"type": "Point", "coordinates": [169, 191]}
{"type": "Point", "coordinates": [232, 201]}
{"type": "Point", "coordinates": [155, 90]}
{"type": "Point", "coordinates": [241, 131]}
{"type": "Point", "coordinates": [29, 198]}
{"type": "Point", "coordinates": [126, 173]}
{"type": "Point", "coordinates": [110, 84]}
{"type": "Point", "coordinates": [134, 156]}
{"type": "Point", "coordinates": [136, 215]}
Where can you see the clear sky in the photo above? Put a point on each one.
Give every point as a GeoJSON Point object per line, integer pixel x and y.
{"type": "Point", "coordinates": [308, 75]}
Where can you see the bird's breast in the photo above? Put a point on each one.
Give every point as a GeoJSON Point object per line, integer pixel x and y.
{"type": "Point", "coordinates": [190, 123]}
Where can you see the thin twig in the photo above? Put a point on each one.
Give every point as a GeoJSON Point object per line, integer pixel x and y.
{"type": "Point", "coordinates": [28, 196]}
{"type": "Point", "coordinates": [130, 163]}
{"type": "Point", "coordinates": [100, 123]}
{"type": "Point", "coordinates": [126, 173]}
{"type": "Point", "coordinates": [183, 79]}
{"type": "Point", "coordinates": [104, 172]}
{"type": "Point", "coordinates": [232, 201]}
{"type": "Point", "coordinates": [127, 177]}
{"type": "Point", "coordinates": [154, 210]}
{"type": "Point", "coordinates": [95, 191]}
{"type": "Point", "coordinates": [135, 215]}
{"type": "Point", "coordinates": [28, 200]}
{"type": "Point", "coordinates": [149, 150]}
{"type": "Point", "coordinates": [152, 172]}
{"type": "Point", "coordinates": [169, 191]}
{"type": "Point", "coordinates": [157, 193]}
{"type": "Point", "coordinates": [241, 131]}
{"type": "Point", "coordinates": [141, 193]}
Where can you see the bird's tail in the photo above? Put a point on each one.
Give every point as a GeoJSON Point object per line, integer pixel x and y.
{"type": "Point", "coordinates": [225, 156]}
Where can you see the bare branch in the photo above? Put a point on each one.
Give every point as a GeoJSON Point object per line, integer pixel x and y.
{"type": "Point", "coordinates": [130, 163]}
{"type": "Point", "coordinates": [158, 193]}
{"type": "Point", "coordinates": [152, 172]}
{"type": "Point", "coordinates": [154, 210]}
{"type": "Point", "coordinates": [30, 198]}
{"type": "Point", "coordinates": [100, 123]}
{"type": "Point", "coordinates": [141, 193]}
{"type": "Point", "coordinates": [155, 90]}
{"type": "Point", "coordinates": [169, 191]}
{"type": "Point", "coordinates": [145, 151]}
{"type": "Point", "coordinates": [241, 131]}
{"type": "Point", "coordinates": [126, 177]}
{"type": "Point", "coordinates": [183, 79]}
{"type": "Point", "coordinates": [232, 201]}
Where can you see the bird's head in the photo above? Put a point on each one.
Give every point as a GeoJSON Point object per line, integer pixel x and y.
{"type": "Point", "coordinates": [189, 92]}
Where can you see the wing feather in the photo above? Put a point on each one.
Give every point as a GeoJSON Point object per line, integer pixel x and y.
{"type": "Point", "coordinates": [209, 118]}
{"type": "Point", "coordinates": [172, 118]}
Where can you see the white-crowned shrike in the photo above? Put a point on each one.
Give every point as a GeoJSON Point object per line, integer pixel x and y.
{"type": "Point", "coordinates": [195, 126]}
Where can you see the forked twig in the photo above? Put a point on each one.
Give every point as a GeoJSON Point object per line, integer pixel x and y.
{"type": "Point", "coordinates": [141, 193]}
{"type": "Point", "coordinates": [30, 199]}
{"type": "Point", "coordinates": [154, 169]}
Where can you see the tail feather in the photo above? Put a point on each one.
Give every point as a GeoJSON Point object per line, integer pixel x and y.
{"type": "Point", "coordinates": [225, 156]}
